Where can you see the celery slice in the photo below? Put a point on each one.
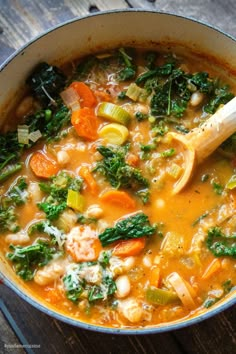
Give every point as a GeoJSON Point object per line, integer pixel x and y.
{"type": "Point", "coordinates": [75, 200]}
{"type": "Point", "coordinates": [114, 113]}
{"type": "Point", "coordinates": [160, 297]}
{"type": "Point", "coordinates": [136, 93]}
{"type": "Point", "coordinates": [114, 133]}
{"type": "Point", "coordinates": [231, 184]}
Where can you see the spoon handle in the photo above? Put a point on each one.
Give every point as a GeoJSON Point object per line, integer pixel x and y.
{"type": "Point", "coordinates": [221, 125]}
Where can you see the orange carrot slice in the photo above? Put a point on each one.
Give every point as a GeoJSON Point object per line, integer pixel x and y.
{"type": "Point", "coordinates": [130, 247]}
{"type": "Point", "coordinates": [85, 173]}
{"type": "Point", "coordinates": [118, 198]}
{"type": "Point", "coordinates": [85, 123]}
{"type": "Point", "coordinates": [42, 166]}
{"type": "Point", "coordinates": [87, 98]}
{"type": "Point", "coordinates": [154, 279]}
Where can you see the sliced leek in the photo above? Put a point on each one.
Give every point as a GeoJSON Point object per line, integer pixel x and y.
{"type": "Point", "coordinates": [158, 296]}
{"type": "Point", "coordinates": [75, 200]}
{"type": "Point", "coordinates": [114, 133]}
{"type": "Point", "coordinates": [136, 93]}
{"type": "Point", "coordinates": [231, 184]}
{"type": "Point", "coordinates": [113, 113]}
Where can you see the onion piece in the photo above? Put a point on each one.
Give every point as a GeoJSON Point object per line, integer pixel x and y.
{"type": "Point", "coordinates": [181, 289]}
{"type": "Point", "coordinates": [23, 134]}
{"type": "Point", "coordinates": [34, 136]}
{"type": "Point", "coordinates": [71, 98]}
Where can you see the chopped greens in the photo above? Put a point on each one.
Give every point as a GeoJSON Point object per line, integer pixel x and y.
{"type": "Point", "coordinates": [28, 259]}
{"type": "Point", "coordinates": [57, 190]}
{"type": "Point", "coordinates": [220, 244]}
{"type": "Point", "coordinates": [46, 82]}
{"type": "Point", "coordinates": [89, 279]}
{"type": "Point", "coordinates": [132, 227]}
{"type": "Point", "coordinates": [129, 71]}
{"type": "Point", "coordinates": [117, 171]}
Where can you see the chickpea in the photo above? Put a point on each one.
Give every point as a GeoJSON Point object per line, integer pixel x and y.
{"type": "Point", "coordinates": [123, 286]}
{"type": "Point", "coordinates": [63, 157]}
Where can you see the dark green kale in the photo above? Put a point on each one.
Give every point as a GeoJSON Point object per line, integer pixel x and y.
{"type": "Point", "coordinates": [146, 150]}
{"type": "Point", "coordinates": [221, 95]}
{"type": "Point", "coordinates": [52, 211]}
{"type": "Point", "coordinates": [46, 82]}
{"type": "Point", "coordinates": [10, 152]}
{"type": "Point", "coordinates": [16, 195]}
{"type": "Point", "coordinates": [84, 67]}
{"type": "Point", "coordinates": [28, 259]}
{"type": "Point", "coordinates": [202, 82]}
{"type": "Point", "coordinates": [220, 244]}
{"type": "Point", "coordinates": [164, 70]}
{"type": "Point", "coordinates": [76, 284]}
{"type": "Point", "coordinates": [81, 219]}
{"type": "Point", "coordinates": [8, 219]}
{"type": "Point", "coordinates": [150, 58]}
{"type": "Point", "coordinates": [49, 121]}
{"type": "Point", "coordinates": [57, 190]}
{"type": "Point", "coordinates": [129, 71]}
{"type": "Point", "coordinates": [132, 227]}
{"type": "Point", "coordinates": [117, 171]}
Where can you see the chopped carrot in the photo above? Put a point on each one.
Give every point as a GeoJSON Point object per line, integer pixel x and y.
{"type": "Point", "coordinates": [154, 279]}
{"type": "Point", "coordinates": [53, 295]}
{"type": "Point", "coordinates": [118, 198]}
{"type": "Point", "coordinates": [212, 268]}
{"type": "Point", "coordinates": [130, 247]}
{"type": "Point", "coordinates": [103, 96]}
{"type": "Point", "coordinates": [42, 166]}
{"type": "Point", "coordinates": [132, 160]}
{"type": "Point", "coordinates": [87, 98]}
{"type": "Point", "coordinates": [85, 173]}
{"type": "Point", "coordinates": [85, 123]}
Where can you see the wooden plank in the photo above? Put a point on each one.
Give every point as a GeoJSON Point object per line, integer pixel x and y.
{"type": "Point", "coordinates": [220, 14]}
{"type": "Point", "coordinates": [22, 20]}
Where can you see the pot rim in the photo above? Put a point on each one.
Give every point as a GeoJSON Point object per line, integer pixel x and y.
{"type": "Point", "coordinates": [163, 327]}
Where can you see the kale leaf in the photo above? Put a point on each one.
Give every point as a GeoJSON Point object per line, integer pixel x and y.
{"type": "Point", "coordinates": [129, 71]}
{"type": "Point", "coordinates": [46, 82]}
{"type": "Point", "coordinates": [220, 244]}
{"type": "Point", "coordinates": [132, 227]}
{"type": "Point", "coordinates": [117, 171]}
{"type": "Point", "coordinates": [28, 259]}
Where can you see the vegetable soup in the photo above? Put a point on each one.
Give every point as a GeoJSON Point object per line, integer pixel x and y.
{"type": "Point", "coordinates": [88, 216]}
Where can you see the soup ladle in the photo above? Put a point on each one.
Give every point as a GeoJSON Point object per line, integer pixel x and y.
{"type": "Point", "coordinates": [202, 141]}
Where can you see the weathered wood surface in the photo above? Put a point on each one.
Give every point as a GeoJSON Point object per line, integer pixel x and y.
{"type": "Point", "coordinates": [20, 21]}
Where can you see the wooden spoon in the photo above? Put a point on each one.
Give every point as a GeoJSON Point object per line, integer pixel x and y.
{"type": "Point", "coordinates": [200, 142]}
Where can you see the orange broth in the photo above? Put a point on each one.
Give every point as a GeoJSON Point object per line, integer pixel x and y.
{"type": "Point", "coordinates": [182, 221]}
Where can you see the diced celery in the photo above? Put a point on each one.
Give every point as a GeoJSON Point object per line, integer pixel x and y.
{"type": "Point", "coordinates": [160, 297]}
{"type": "Point", "coordinates": [136, 93]}
{"type": "Point", "coordinates": [75, 200]}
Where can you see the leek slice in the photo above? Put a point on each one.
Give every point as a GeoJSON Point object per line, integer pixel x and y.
{"type": "Point", "coordinates": [231, 184]}
{"type": "Point", "coordinates": [160, 297]}
{"type": "Point", "coordinates": [114, 133]}
{"type": "Point", "coordinates": [75, 200]}
{"type": "Point", "coordinates": [23, 134]}
{"type": "Point", "coordinates": [136, 93]}
{"type": "Point", "coordinates": [114, 113]}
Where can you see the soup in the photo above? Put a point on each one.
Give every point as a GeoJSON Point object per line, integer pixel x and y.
{"type": "Point", "coordinates": [89, 219]}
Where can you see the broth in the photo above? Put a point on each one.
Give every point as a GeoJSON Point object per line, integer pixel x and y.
{"type": "Point", "coordinates": [89, 220]}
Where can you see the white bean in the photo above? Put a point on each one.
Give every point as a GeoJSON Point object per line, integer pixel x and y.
{"type": "Point", "coordinates": [147, 261]}
{"type": "Point", "coordinates": [95, 211]}
{"type": "Point", "coordinates": [196, 98]}
{"type": "Point", "coordinates": [131, 309]}
{"type": "Point", "coordinates": [129, 262]}
{"type": "Point", "coordinates": [63, 157]}
{"type": "Point", "coordinates": [123, 286]}
{"type": "Point", "coordinates": [35, 192]}
{"type": "Point", "coordinates": [19, 238]}
{"type": "Point", "coordinates": [48, 274]}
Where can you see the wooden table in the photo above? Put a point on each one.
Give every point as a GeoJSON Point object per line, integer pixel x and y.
{"type": "Point", "coordinates": [22, 326]}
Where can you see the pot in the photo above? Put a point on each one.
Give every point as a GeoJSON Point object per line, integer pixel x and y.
{"type": "Point", "coordinates": [90, 34]}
